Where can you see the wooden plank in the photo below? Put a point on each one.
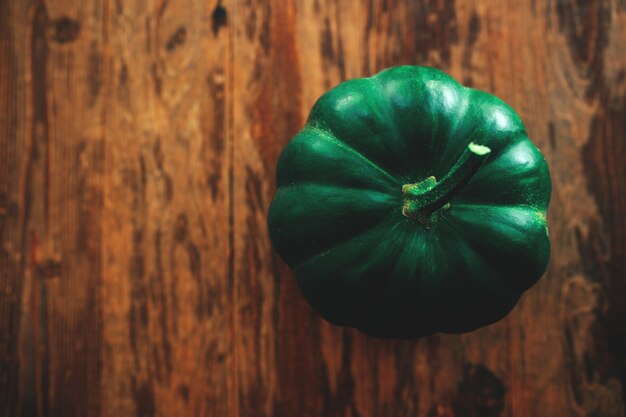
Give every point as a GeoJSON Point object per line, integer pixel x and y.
{"type": "Point", "coordinates": [58, 200]}
{"type": "Point", "coordinates": [116, 187]}
{"type": "Point", "coordinates": [166, 323]}
{"type": "Point", "coordinates": [12, 149]}
{"type": "Point", "coordinates": [263, 110]}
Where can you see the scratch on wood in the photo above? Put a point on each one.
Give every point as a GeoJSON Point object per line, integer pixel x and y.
{"type": "Point", "coordinates": [178, 38]}
{"type": "Point", "coordinates": [219, 19]}
{"type": "Point", "coordinates": [468, 49]}
{"type": "Point", "coordinates": [50, 268]}
{"type": "Point", "coordinates": [66, 30]}
{"type": "Point", "coordinates": [180, 228]}
{"type": "Point", "coordinates": [94, 75]}
{"type": "Point", "coordinates": [156, 77]}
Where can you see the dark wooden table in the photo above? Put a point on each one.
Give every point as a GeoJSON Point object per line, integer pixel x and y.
{"type": "Point", "coordinates": [138, 145]}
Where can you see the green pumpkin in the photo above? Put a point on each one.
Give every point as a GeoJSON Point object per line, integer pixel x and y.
{"type": "Point", "coordinates": [410, 205]}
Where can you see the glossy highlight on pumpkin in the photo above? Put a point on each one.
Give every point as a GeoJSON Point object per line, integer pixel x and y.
{"type": "Point", "coordinates": [409, 205]}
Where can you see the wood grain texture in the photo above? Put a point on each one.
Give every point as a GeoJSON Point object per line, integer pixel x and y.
{"type": "Point", "coordinates": [138, 141]}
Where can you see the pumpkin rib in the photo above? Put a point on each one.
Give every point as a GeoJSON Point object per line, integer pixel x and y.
{"type": "Point", "coordinates": [355, 116]}
{"type": "Point", "coordinates": [335, 140]}
{"type": "Point", "coordinates": [526, 238]}
{"type": "Point", "coordinates": [411, 291]}
{"type": "Point", "coordinates": [496, 118]}
{"type": "Point", "coordinates": [362, 234]}
{"type": "Point", "coordinates": [387, 112]}
{"type": "Point", "coordinates": [501, 297]}
{"type": "Point", "coordinates": [321, 286]}
{"type": "Point", "coordinates": [465, 204]}
{"type": "Point", "coordinates": [290, 216]}
{"type": "Point", "coordinates": [312, 158]}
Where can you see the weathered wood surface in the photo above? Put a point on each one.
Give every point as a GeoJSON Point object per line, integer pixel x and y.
{"type": "Point", "coordinates": [138, 143]}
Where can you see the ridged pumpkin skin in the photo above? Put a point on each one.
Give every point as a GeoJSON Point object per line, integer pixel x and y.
{"type": "Point", "coordinates": [409, 205]}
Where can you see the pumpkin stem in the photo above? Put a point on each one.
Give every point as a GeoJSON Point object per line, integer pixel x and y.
{"type": "Point", "coordinates": [423, 200]}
